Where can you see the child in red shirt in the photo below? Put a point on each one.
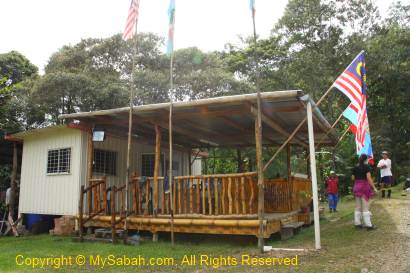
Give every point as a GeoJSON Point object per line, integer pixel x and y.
{"type": "Point", "coordinates": [332, 190]}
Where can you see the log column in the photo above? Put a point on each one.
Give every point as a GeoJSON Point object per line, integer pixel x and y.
{"type": "Point", "coordinates": [90, 154]}
{"type": "Point", "coordinates": [259, 168]}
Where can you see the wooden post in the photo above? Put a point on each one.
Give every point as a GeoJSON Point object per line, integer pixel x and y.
{"type": "Point", "coordinates": [113, 231]}
{"type": "Point", "coordinates": [80, 213]}
{"type": "Point", "coordinates": [13, 188]}
{"type": "Point", "coordinates": [90, 150]}
{"type": "Point", "coordinates": [156, 167]}
{"type": "Point", "coordinates": [289, 169]}
{"type": "Point", "coordinates": [243, 194]}
{"type": "Point", "coordinates": [203, 196]}
{"type": "Point", "coordinates": [313, 175]}
{"type": "Point", "coordinates": [259, 168]}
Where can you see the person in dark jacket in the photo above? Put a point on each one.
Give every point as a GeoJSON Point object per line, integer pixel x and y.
{"type": "Point", "coordinates": [363, 189]}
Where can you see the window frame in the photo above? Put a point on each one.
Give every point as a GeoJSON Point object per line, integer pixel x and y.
{"type": "Point", "coordinates": [115, 165]}
{"type": "Point", "coordinates": [162, 163]}
{"type": "Point", "coordinates": [58, 164]}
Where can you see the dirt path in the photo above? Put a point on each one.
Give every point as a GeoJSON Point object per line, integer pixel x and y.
{"type": "Point", "coordinates": [397, 258]}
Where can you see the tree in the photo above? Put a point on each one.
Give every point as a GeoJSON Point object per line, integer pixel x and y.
{"type": "Point", "coordinates": [14, 70]}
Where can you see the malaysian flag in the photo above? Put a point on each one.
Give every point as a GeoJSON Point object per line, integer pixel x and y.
{"type": "Point", "coordinates": [171, 27]}
{"type": "Point", "coordinates": [352, 83]}
{"type": "Point", "coordinates": [131, 25]}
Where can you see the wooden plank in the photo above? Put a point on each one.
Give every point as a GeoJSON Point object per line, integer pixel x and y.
{"type": "Point", "coordinates": [243, 200]}
{"type": "Point", "coordinates": [230, 194]}
{"type": "Point", "coordinates": [81, 212]}
{"type": "Point", "coordinates": [203, 196]}
{"type": "Point", "coordinates": [90, 156]}
{"type": "Point", "coordinates": [252, 194]}
{"type": "Point", "coordinates": [162, 186]}
{"type": "Point", "coordinates": [147, 196]}
{"type": "Point", "coordinates": [209, 197]}
{"type": "Point", "coordinates": [191, 195]}
{"type": "Point", "coordinates": [113, 210]}
{"type": "Point", "coordinates": [139, 197]}
{"type": "Point", "coordinates": [237, 195]}
{"type": "Point", "coordinates": [216, 196]}
{"type": "Point", "coordinates": [185, 195]}
{"type": "Point", "coordinates": [224, 179]}
{"type": "Point", "coordinates": [179, 194]}
{"type": "Point", "coordinates": [198, 196]}
{"type": "Point", "coordinates": [104, 192]}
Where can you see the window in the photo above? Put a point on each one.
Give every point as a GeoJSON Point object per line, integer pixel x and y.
{"type": "Point", "coordinates": [147, 164]}
{"type": "Point", "coordinates": [105, 162]}
{"type": "Point", "coordinates": [58, 161]}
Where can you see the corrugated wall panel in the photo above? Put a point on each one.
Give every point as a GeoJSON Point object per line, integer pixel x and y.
{"type": "Point", "coordinates": [50, 194]}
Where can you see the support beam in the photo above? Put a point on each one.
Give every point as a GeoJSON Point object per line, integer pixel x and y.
{"type": "Point", "coordinates": [288, 163]}
{"type": "Point", "coordinates": [90, 159]}
{"type": "Point", "coordinates": [156, 167]}
{"type": "Point", "coordinates": [313, 175]}
{"type": "Point", "coordinates": [276, 126]}
{"type": "Point", "coordinates": [259, 168]}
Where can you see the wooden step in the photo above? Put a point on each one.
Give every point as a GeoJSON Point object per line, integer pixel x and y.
{"type": "Point", "coordinates": [288, 230]}
{"type": "Point", "coordinates": [293, 225]}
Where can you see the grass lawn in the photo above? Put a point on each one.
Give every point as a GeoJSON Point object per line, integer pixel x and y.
{"type": "Point", "coordinates": [344, 249]}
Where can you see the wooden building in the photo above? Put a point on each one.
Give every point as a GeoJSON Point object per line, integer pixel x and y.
{"type": "Point", "coordinates": [215, 204]}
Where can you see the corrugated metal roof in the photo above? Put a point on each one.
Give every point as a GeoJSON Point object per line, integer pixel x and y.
{"type": "Point", "coordinates": [222, 121]}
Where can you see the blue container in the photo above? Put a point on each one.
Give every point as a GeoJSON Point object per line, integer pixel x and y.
{"type": "Point", "coordinates": [32, 218]}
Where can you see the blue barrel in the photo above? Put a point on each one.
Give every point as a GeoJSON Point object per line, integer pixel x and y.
{"type": "Point", "coordinates": [32, 219]}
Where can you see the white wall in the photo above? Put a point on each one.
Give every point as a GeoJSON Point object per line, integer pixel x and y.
{"type": "Point", "coordinates": [50, 194]}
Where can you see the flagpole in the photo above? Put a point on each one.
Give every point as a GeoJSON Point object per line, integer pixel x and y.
{"type": "Point", "coordinates": [304, 120]}
{"type": "Point", "coordinates": [171, 183]}
{"type": "Point", "coordinates": [130, 116]}
{"type": "Point", "coordinates": [258, 138]}
{"type": "Point", "coordinates": [171, 87]}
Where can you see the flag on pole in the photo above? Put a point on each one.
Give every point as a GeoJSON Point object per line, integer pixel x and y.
{"type": "Point", "coordinates": [171, 25]}
{"type": "Point", "coordinates": [132, 19]}
{"type": "Point", "coordinates": [352, 83]}
{"type": "Point", "coordinates": [252, 6]}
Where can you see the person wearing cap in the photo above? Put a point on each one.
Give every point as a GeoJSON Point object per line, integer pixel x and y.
{"type": "Point", "coordinates": [385, 174]}
{"type": "Point", "coordinates": [332, 184]}
{"type": "Point", "coordinates": [363, 189]}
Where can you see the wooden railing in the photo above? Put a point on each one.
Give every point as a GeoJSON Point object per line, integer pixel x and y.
{"type": "Point", "coordinates": [219, 194]}
{"type": "Point", "coordinates": [203, 196]}
{"type": "Point", "coordinates": [96, 201]}
{"type": "Point", "coordinates": [283, 196]}
{"type": "Point", "coordinates": [223, 194]}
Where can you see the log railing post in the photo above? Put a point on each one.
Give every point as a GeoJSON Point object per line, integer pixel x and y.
{"type": "Point", "coordinates": [147, 196]}
{"type": "Point", "coordinates": [198, 196]}
{"type": "Point", "coordinates": [113, 213]}
{"type": "Point", "coordinates": [80, 213]}
{"type": "Point", "coordinates": [216, 196]}
{"type": "Point", "coordinates": [236, 195]}
{"type": "Point", "coordinates": [223, 181]}
{"type": "Point", "coordinates": [230, 194]}
{"type": "Point", "coordinates": [203, 196]}
{"type": "Point", "coordinates": [191, 195]}
{"type": "Point", "coordinates": [243, 195]}
{"type": "Point", "coordinates": [209, 196]}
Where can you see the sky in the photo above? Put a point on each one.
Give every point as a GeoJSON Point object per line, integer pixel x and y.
{"type": "Point", "coordinates": [39, 28]}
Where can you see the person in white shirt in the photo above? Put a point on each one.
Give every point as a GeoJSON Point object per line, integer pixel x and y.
{"type": "Point", "coordinates": [385, 173]}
